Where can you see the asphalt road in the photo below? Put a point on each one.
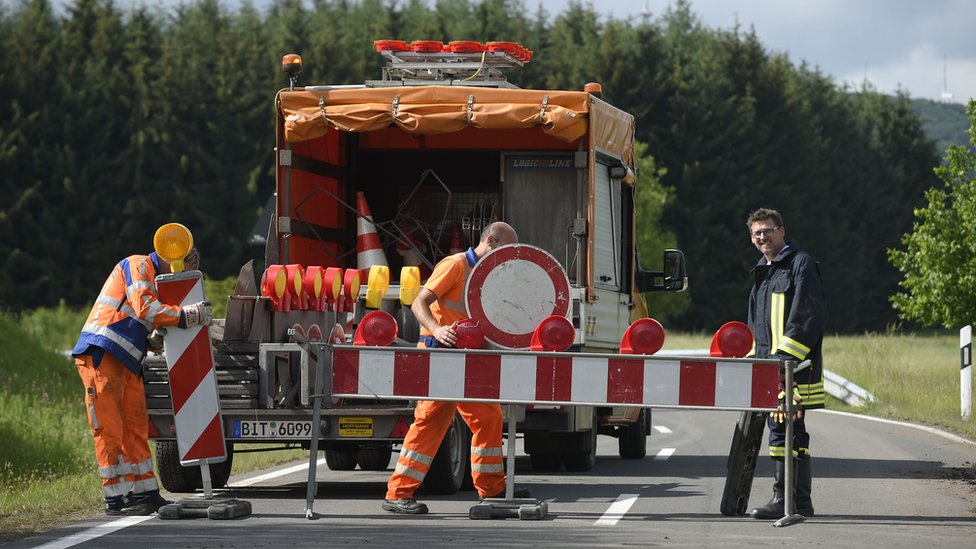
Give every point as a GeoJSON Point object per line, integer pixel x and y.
{"type": "Point", "coordinates": [876, 485]}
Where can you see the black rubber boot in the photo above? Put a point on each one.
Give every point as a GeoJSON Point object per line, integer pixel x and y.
{"type": "Point", "coordinates": [773, 509]}
{"type": "Point", "coordinates": [804, 487]}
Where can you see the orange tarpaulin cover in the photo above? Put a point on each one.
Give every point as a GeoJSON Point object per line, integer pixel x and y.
{"type": "Point", "coordinates": [565, 115]}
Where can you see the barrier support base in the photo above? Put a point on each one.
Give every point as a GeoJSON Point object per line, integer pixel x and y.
{"type": "Point", "coordinates": [789, 520]}
{"type": "Point", "coordinates": [498, 508]}
{"type": "Point", "coordinates": [211, 508]}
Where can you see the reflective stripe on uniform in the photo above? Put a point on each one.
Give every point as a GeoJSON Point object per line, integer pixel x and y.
{"type": "Point", "coordinates": [145, 485]}
{"type": "Point", "coordinates": [488, 451]}
{"type": "Point", "coordinates": [409, 472]}
{"type": "Point", "coordinates": [777, 312]}
{"type": "Point", "coordinates": [794, 347]}
{"type": "Point", "coordinates": [143, 467]}
{"type": "Point", "coordinates": [487, 468]}
{"type": "Point", "coordinates": [114, 490]}
{"type": "Point", "coordinates": [813, 393]}
{"type": "Point", "coordinates": [414, 455]}
{"type": "Point", "coordinates": [110, 334]}
{"type": "Point", "coordinates": [113, 471]}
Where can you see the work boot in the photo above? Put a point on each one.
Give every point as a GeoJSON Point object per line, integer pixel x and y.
{"type": "Point", "coordinates": [804, 487]}
{"type": "Point", "coordinates": [518, 493]}
{"type": "Point", "coordinates": [114, 506]}
{"type": "Point", "coordinates": [406, 506]}
{"type": "Point", "coordinates": [144, 504]}
{"type": "Point", "coordinates": [774, 509]}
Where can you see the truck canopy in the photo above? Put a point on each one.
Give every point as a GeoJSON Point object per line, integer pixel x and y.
{"type": "Point", "coordinates": [430, 110]}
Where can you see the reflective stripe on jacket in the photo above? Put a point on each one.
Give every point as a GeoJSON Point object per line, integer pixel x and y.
{"type": "Point", "coordinates": [787, 314]}
{"type": "Point", "coordinates": [125, 311]}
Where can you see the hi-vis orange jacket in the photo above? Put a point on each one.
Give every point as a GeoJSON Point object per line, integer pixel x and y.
{"type": "Point", "coordinates": [126, 310]}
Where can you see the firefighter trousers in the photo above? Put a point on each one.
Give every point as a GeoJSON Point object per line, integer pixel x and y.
{"type": "Point", "coordinates": [431, 422]}
{"type": "Point", "coordinates": [116, 403]}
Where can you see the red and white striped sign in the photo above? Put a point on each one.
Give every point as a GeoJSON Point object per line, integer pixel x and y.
{"type": "Point", "coordinates": [192, 378]}
{"type": "Point", "coordinates": [555, 378]}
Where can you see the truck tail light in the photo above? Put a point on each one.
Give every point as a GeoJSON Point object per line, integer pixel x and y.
{"type": "Point", "coordinates": [645, 336]}
{"type": "Point", "coordinates": [555, 333]}
{"type": "Point", "coordinates": [377, 329]}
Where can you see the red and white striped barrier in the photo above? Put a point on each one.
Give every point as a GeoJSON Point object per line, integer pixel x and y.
{"type": "Point", "coordinates": [192, 379]}
{"type": "Point", "coordinates": [555, 378]}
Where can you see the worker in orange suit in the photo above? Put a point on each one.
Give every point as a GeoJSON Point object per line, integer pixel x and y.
{"type": "Point", "coordinates": [109, 357]}
{"type": "Point", "coordinates": [438, 306]}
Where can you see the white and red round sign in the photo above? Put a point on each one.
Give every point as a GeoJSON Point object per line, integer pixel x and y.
{"type": "Point", "coordinates": [514, 288]}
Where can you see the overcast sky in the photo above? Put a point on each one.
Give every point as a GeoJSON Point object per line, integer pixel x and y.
{"type": "Point", "coordinates": [893, 43]}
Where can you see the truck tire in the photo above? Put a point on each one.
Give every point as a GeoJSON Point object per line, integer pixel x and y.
{"type": "Point", "coordinates": [341, 460]}
{"type": "Point", "coordinates": [374, 459]}
{"type": "Point", "coordinates": [452, 461]}
{"type": "Point", "coordinates": [632, 440]}
{"type": "Point", "coordinates": [177, 478]}
{"type": "Point", "coordinates": [746, 441]}
{"type": "Point", "coordinates": [545, 462]}
{"type": "Point", "coordinates": [584, 459]}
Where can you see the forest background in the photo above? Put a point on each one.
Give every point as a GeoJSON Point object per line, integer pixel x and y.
{"type": "Point", "coordinates": [114, 121]}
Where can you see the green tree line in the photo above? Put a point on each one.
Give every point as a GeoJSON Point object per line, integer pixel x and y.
{"type": "Point", "coordinates": [114, 121]}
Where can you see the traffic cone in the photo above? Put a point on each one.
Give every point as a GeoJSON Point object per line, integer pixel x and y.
{"type": "Point", "coordinates": [411, 250]}
{"type": "Point", "coordinates": [457, 241]}
{"type": "Point", "coordinates": [370, 251]}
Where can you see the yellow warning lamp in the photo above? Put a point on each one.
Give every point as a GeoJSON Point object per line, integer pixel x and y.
{"type": "Point", "coordinates": [333, 284]}
{"type": "Point", "coordinates": [376, 285]}
{"type": "Point", "coordinates": [291, 64]}
{"type": "Point", "coordinates": [173, 242]}
{"type": "Point", "coordinates": [409, 285]}
{"type": "Point", "coordinates": [593, 88]}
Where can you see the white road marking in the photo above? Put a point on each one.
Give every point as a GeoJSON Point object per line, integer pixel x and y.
{"type": "Point", "coordinates": [93, 533]}
{"type": "Point", "coordinates": [662, 429]}
{"type": "Point", "coordinates": [275, 474]}
{"type": "Point", "coordinates": [664, 454]}
{"type": "Point", "coordinates": [617, 510]}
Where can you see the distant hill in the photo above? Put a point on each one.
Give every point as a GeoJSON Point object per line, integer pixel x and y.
{"type": "Point", "coordinates": [944, 123]}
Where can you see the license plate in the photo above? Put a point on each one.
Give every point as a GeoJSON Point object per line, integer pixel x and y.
{"type": "Point", "coordinates": [355, 426]}
{"type": "Point", "coordinates": [272, 429]}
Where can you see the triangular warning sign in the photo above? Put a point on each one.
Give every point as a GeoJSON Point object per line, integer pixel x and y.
{"type": "Point", "coordinates": [400, 429]}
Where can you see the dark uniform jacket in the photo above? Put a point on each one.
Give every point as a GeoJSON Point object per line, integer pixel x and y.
{"type": "Point", "coordinates": [787, 313]}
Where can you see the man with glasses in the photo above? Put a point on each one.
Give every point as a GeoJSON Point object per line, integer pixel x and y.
{"type": "Point", "coordinates": [787, 313]}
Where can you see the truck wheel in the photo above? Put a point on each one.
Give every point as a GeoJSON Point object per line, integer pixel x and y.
{"type": "Point", "coordinates": [177, 478]}
{"type": "Point", "coordinates": [173, 476]}
{"type": "Point", "coordinates": [452, 461]}
{"type": "Point", "coordinates": [632, 440]}
{"type": "Point", "coordinates": [546, 462]}
{"type": "Point", "coordinates": [341, 460]}
{"type": "Point", "coordinates": [374, 459]}
{"type": "Point", "coordinates": [746, 441]}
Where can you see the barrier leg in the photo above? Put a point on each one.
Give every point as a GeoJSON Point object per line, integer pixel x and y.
{"type": "Point", "coordinates": [789, 483]}
{"type": "Point", "coordinates": [510, 506]}
{"type": "Point", "coordinates": [324, 354]}
{"type": "Point", "coordinates": [743, 455]}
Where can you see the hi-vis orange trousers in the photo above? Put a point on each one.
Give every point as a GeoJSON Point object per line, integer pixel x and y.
{"type": "Point", "coordinates": [431, 422]}
{"type": "Point", "coordinates": [116, 402]}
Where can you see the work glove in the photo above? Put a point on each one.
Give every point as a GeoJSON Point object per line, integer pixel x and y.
{"type": "Point", "coordinates": [780, 414]}
{"type": "Point", "coordinates": [198, 313]}
{"type": "Point", "coordinates": [155, 340]}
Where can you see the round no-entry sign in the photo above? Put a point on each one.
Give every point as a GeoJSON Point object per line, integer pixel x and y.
{"type": "Point", "coordinates": [514, 288]}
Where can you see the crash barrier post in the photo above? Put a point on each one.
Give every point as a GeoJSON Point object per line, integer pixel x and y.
{"type": "Point", "coordinates": [527, 377]}
{"type": "Point", "coordinates": [196, 404]}
{"type": "Point", "coordinates": [965, 371]}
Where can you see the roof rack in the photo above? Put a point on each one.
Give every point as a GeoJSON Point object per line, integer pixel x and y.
{"type": "Point", "coordinates": [459, 63]}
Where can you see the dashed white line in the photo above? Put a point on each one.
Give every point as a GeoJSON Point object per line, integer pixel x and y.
{"type": "Point", "coordinates": [662, 429]}
{"type": "Point", "coordinates": [275, 474]}
{"type": "Point", "coordinates": [664, 454]}
{"type": "Point", "coordinates": [617, 510]}
{"type": "Point", "coordinates": [93, 533]}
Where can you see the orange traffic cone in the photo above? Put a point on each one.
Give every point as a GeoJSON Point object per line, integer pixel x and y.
{"type": "Point", "coordinates": [457, 241]}
{"type": "Point", "coordinates": [370, 251]}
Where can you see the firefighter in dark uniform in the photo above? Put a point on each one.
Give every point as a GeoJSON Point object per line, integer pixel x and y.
{"type": "Point", "coordinates": [787, 313]}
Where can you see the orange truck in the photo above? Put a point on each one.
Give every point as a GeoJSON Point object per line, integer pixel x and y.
{"type": "Point", "coordinates": [438, 148]}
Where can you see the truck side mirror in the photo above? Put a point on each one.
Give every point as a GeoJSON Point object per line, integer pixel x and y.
{"type": "Point", "coordinates": [674, 277]}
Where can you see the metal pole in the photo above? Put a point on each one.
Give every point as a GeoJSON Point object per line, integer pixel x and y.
{"type": "Point", "coordinates": [965, 371]}
{"type": "Point", "coordinates": [316, 396]}
{"type": "Point", "coordinates": [510, 466]}
{"type": "Point", "coordinates": [789, 516]}
{"type": "Point", "coordinates": [207, 483]}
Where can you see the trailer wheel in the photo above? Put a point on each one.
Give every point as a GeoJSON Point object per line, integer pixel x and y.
{"type": "Point", "coordinates": [374, 459]}
{"type": "Point", "coordinates": [632, 440]}
{"type": "Point", "coordinates": [177, 478]}
{"type": "Point", "coordinates": [585, 458]}
{"type": "Point", "coordinates": [545, 462]}
{"type": "Point", "coordinates": [452, 461]}
{"type": "Point", "coordinates": [341, 460]}
{"type": "Point", "coordinates": [746, 441]}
